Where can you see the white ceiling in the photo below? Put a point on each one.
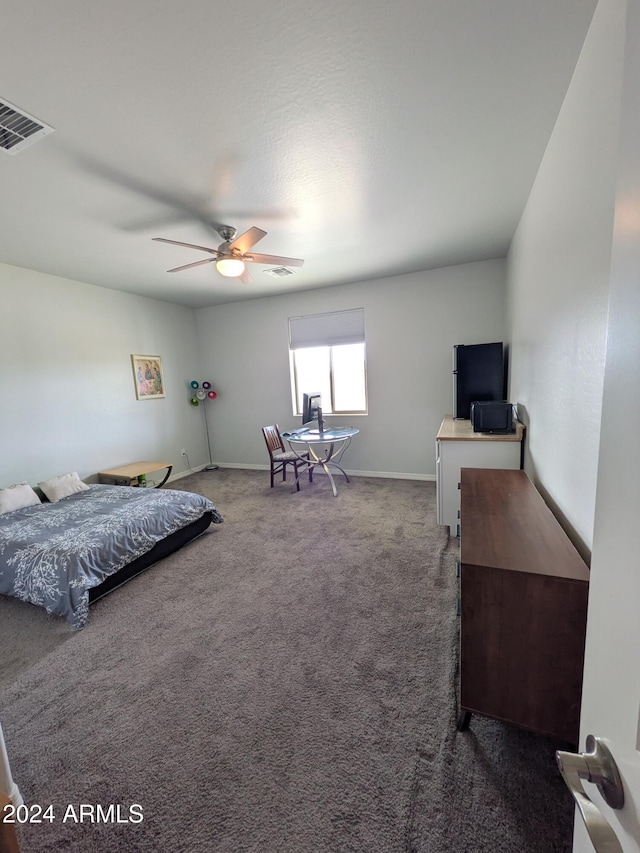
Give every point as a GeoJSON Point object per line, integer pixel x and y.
{"type": "Point", "coordinates": [369, 138]}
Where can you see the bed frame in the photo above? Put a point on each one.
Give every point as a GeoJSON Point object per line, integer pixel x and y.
{"type": "Point", "coordinates": [160, 550]}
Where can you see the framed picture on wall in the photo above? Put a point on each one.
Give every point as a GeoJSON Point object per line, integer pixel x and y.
{"type": "Point", "coordinates": [147, 374]}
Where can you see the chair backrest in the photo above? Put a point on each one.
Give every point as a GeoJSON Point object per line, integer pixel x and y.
{"type": "Point", "coordinates": [273, 439]}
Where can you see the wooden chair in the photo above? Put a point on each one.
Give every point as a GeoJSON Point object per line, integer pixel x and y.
{"type": "Point", "coordinates": [280, 457]}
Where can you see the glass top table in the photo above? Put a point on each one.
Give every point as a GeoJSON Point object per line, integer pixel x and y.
{"type": "Point", "coordinates": [325, 449]}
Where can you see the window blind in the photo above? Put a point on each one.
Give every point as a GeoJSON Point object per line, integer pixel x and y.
{"type": "Point", "coordinates": [327, 330]}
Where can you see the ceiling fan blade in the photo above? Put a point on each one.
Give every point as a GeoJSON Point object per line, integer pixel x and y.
{"type": "Point", "coordinates": [274, 259]}
{"type": "Point", "coordinates": [245, 278]}
{"type": "Point", "coordinates": [188, 245]}
{"type": "Point", "coordinates": [168, 220]}
{"type": "Point", "coordinates": [187, 207]}
{"type": "Point", "coordinates": [202, 208]}
{"type": "Point", "coordinates": [194, 264]}
{"type": "Point", "coordinates": [245, 241]}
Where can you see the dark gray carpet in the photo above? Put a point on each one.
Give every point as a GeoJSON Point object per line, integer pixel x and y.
{"type": "Point", "coordinates": [285, 683]}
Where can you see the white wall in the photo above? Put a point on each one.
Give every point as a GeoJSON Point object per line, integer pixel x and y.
{"type": "Point", "coordinates": [66, 385]}
{"type": "Point", "coordinates": [67, 392]}
{"type": "Point", "coordinates": [558, 273]}
{"type": "Point", "coordinates": [411, 324]}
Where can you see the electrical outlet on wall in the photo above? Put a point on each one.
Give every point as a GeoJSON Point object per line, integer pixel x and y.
{"type": "Point", "coordinates": [183, 452]}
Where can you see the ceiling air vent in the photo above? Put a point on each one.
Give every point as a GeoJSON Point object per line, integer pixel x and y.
{"type": "Point", "coordinates": [18, 129]}
{"type": "Point", "coordinates": [279, 272]}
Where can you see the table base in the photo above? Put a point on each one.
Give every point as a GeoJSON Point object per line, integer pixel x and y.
{"type": "Point", "coordinates": [324, 464]}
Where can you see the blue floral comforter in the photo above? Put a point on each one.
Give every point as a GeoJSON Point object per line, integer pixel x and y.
{"type": "Point", "coordinates": [53, 553]}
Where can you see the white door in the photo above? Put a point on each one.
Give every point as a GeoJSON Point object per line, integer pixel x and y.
{"type": "Point", "coordinates": [611, 695]}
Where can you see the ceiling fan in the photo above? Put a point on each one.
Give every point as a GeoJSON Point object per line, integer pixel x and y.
{"type": "Point", "coordinates": [233, 253]}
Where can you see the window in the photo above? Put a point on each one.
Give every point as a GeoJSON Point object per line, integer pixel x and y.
{"type": "Point", "coordinates": [328, 356]}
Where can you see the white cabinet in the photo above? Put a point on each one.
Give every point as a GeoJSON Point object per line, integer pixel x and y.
{"type": "Point", "coordinates": [458, 446]}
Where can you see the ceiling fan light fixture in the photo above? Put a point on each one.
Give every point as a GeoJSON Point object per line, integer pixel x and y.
{"type": "Point", "coordinates": [231, 267]}
{"type": "Point", "coordinates": [231, 256]}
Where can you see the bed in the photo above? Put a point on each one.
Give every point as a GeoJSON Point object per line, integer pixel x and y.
{"type": "Point", "coordinates": [64, 555]}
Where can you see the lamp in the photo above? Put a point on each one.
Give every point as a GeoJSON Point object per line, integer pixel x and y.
{"type": "Point", "coordinates": [202, 395]}
{"type": "Point", "coordinates": [230, 266]}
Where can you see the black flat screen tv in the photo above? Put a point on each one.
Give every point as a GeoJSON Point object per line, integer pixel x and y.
{"type": "Point", "coordinates": [479, 374]}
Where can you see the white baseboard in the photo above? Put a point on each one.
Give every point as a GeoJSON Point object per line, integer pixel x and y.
{"type": "Point", "coordinates": [186, 473]}
{"type": "Point", "coordinates": [390, 475]}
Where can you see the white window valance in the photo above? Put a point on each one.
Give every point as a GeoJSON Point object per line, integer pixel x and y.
{"type": "Point", "coordinates": [326, 330]}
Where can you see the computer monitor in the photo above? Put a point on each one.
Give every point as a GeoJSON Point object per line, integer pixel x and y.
{"type": "Point", "coordinates": [311, 405]}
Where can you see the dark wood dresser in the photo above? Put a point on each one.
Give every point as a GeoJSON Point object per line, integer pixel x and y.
{"type": "Point", "coordinates": [523, 607]}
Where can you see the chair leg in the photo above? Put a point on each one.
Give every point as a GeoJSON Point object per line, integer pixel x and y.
{"type": "Point", "coordinates": [295, 474]}
{"type": "Point", "coordinates": [272, 475]}
{"type": "Point", "coordinates": [310, 470]}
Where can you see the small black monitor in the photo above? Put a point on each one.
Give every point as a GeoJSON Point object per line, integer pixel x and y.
{"type": "Point", "coordinates": [311, 404]}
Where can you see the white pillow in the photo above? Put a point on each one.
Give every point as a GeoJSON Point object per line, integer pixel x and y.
{"type": "Point", "coordinates": [61, 487]}
{"type": "Point", "coordinates": [16, 497]}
